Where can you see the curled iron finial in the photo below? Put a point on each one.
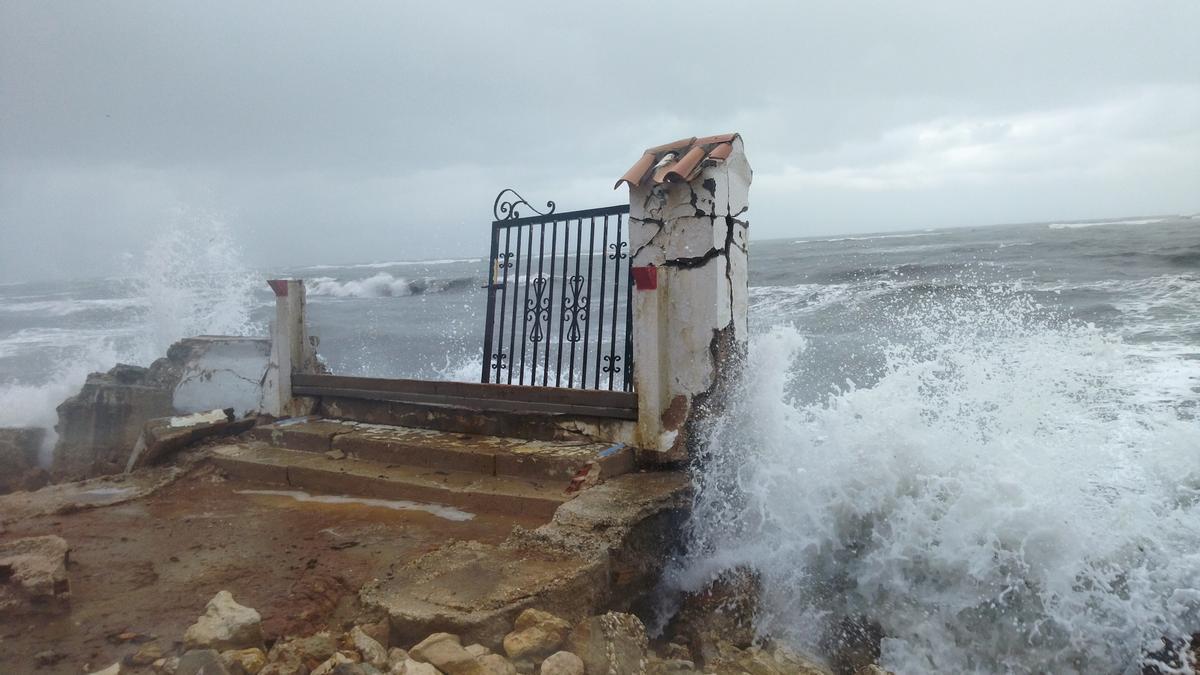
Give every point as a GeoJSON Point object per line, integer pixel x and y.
{"type": "Point", "coordinates": [507, 209]}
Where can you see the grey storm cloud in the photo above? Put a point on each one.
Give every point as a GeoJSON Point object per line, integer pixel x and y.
{"type": "Point", "coordinates": [331, 132]}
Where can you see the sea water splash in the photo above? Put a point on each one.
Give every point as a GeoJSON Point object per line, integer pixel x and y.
{"type": "Point", "coordinates": [1015, 493]}
{"type": "Point", "coordinates": [190, 280]}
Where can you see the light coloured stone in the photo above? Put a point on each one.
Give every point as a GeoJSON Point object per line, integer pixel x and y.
{"type": "Point", "coordinates": [372, 652]}
{"type": "Point", "coordinates": [396, 657]}
{"type": "Point", "coordinates": [167, 666]}
{"type": "Point", "coordinates": [445, 652]}
{"type": "Point", "coordinates": [536, 635]}
{"type": "Point", "coordinates": [477, 650]}
{"type": "Point", "coordinates": [114, 669]}
{"type": "Point", "coordinates": [614, 643]}
{"type": "Point", "coordinates": [244, 661]}
{"type": "Point", "coordinates": [36, 572]}
{"type": "Point", "coordinates": [146, 655]}
{"type": "Point", "coordinates": [411, 667]}
{"type": "Point", "coordinates": [201, 662]}
{"type": "Point", "coordinates": [494, 664]}
{"type": "Point", "coordinates": [300, 654]}
{"type": "Point", "coordinates": [225, 625]}
{"type": "Point", "coordinates": [332, 662]}
{"type": "Point", "coordinates": [562, 663]}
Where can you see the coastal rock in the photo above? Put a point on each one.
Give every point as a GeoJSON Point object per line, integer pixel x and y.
{"type": "Point", "coordinates": [614, 643]}
{"type": "Point", "coordinates": [114, 669]}
{"type": "Point", "coordinates": [758, 661]}
{"type": "Point", "coordinates": [396, 658]}
{"type": "Point", "coordinates": [244, 661]}
{"type": "Point", "coordinates": [146, 655]}
{"type": "Point", "coordinates": [535, 635]}
{"type": "Point", "coordinates": [670, 667]}
{"type": "Point", "coordinates": [19, 448]}
{"type": "Point", "coordinates": [98, 427]}
{"type": "Point", "coordinates": [330, 664]}
{"type": "Point", "coordinates": [726, 608]}
{"type": "Point", "coordinates": [33, 574]}
{"type": "Point", "coordinates": [372, 652]}
{"type": "Point", "coordinates": [445, 652]}
{"type": "Point", "coordinates": [494, 664]}
{"type": "Point", "coordinates": [300, 655]}
{"type": "Point", "coordinates": [201, 662]}
{"type": "Point", "coordinates": [562, 663]}
{"type": "Point", "coordinates": [225, 625]}
{"type": "Point", "coordinates": [411, 667]}
{"type": "Point", "coordinates": [477, 650]}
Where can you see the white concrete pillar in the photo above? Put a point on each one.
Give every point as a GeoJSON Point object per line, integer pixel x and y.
{"type": "Point", "coordinates": [291, 350]}
{"type": "Point", "coordinates": [688, 234]}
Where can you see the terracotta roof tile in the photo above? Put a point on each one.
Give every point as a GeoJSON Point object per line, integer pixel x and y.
{"type": "Point", "coordinates": [677, 162]}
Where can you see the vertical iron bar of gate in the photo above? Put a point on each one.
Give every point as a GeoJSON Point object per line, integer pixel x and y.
{"type": "Point", "coordinates": [512, 329]}
{"type": "Point", "coordinates": [600, 314]}
{"type": "Point", "coordinates": [539, 285]}
{"type": "Point", "coordinates": [576, 303]}
{"type": "Point", "coordinates": [612, 367]}
{"type": "Point", "coordinates": [550, 303]}
{"type": "Point", "coordinates": [525, 303]}
{"type": "Point", "coordinates": [563, 302]}
{"type": "Point", "coordinates": [587, 320]}
{"type": "Point", "coordinates": [502, 260]}
{"type": "Point", "coordinates": [491, 306]}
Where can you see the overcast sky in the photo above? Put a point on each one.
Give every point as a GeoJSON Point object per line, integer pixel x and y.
{"type": "Point", "coordinates": [337, 132]}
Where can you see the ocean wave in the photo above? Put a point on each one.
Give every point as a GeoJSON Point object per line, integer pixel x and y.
{"type": "Point", "coordinates": [67, 307]}
{"type": "Point", "coordinates": [1099, 223]}
{"type": "Point", "coordinates": [867, 238]}
{"type": "Point", "coordinates": [1016, 493]}
{"type": "Point", "coordinates": [384, 285]}
{"type": "Point", "coordinates": [394, 263]}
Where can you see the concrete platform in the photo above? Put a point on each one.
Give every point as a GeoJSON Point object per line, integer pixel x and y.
{"type": "Point", "coordinates": [312, 472]}
{"type": "Point", "coordinates": [418, 447]}
{"type": "Point", "coordinates": [603, 549]}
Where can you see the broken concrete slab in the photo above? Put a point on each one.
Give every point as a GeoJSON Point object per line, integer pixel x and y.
{"type": "Point", "coordinates": [477, 590]}
{"type": "Point", "coordinates": [33, 574]}
{"type": "Point", "coordinates": [165, 436]}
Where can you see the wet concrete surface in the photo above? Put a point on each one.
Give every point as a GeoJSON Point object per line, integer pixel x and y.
{"type": "Point", "coordinates": [148, 566]}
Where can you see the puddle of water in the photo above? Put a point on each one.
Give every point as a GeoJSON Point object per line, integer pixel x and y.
{"type": "Point", "coordinates": [108, 491]}
{"type": "Point", "coordinates": [446, 512]}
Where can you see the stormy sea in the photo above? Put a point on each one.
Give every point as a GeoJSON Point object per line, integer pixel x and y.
{"type": "Point", "coordinates": [984, 440]}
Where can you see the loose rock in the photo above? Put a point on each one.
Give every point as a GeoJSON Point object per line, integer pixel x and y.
{"type": "Point", "coordinates": [299, 655]}
{"type": "Point", "coordinates": [535, 636]}
{"type": "Point", "coordinates": [562, 663]}
{"type": "Point", "coordinates": [411, 667]}
{"type": "Point", "coordinates": [201, 662]}
{"type": "Point", "coordinates": [477, 650]}
{"type": "Point", "coordinates": [225, 625]}
{"type": "Point", "coordinates": [445, 652]}
{"type": "Point", "coordinates": [114, 669]}
{"type": "Point", "coordinates": [244, 661]}
{"type": "Point", "coordinates": [148, 654]}
{"type": "Point", "coordinates": [33, 574]}
{"type": "Point", "coordinates": [372, 652]}
{"type": "Point", "coordinates": [614, 643]}
{"type": "Point", "coordinates": [332, 662]}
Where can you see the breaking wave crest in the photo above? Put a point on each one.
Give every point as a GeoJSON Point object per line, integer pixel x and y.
{"type": "Point", "coordinates": [384, 285]}
{"type": "Point", "coordinates": [1016, 493]}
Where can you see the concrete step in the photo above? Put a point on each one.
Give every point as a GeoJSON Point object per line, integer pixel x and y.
{"type": "Point", "coordinates": [555, 461]}
{"type": "Point", "coordinates": [466, 419]}
{"type": "Point", "coordinates": [467, 490]}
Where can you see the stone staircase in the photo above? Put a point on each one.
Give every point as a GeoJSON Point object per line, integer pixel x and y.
{"type": "Point", "coordinates": [473, 472]}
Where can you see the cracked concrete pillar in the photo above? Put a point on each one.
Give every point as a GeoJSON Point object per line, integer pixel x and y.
{"type": "Point", "coordinates": [292, 351]}
{"type": "Point", "coordinates": [688, 233]}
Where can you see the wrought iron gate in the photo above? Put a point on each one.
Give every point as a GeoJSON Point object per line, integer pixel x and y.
{"type": "Point", "coordinates": [559, 316]}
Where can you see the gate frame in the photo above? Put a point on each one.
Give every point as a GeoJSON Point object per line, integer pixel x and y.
{"type": "Point", "coordinates": [507, 216]}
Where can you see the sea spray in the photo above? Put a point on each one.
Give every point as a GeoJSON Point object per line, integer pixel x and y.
{"type": "Point", "coordinates": [190, 280]}
{"type": "Point", "coordinates": [1013, 492]}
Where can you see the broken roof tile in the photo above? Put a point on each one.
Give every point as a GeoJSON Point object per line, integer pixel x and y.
{"type": "Point", "coordinates": [677, 162]}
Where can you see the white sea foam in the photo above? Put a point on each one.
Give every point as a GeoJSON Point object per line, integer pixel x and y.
{"type": "Point", "coordinates": [395, 263]}
{"type": "Point", "coordinates": [382, 285]}
{"type": "Point", "coordinates": [191, 281]}
{"type": "Point", "coordinates": [1133, 221]}
{"type": "Point", "coordinates": [1017, 493]}
{"type": "Point", "coordinates": [871, 237]}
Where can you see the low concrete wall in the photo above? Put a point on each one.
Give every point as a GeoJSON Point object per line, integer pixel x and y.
{"type": "Point", "coordinates": [224, 372]}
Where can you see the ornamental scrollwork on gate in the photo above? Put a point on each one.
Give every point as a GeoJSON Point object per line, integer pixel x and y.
{"type": "Point", "coordinates": [537, 309]}
{"type": "Point", "coordinates": [506, 208]}
{"type": "Point", "coordinates": [575, 308]}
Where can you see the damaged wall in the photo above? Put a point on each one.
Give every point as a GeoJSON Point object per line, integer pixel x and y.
{"type": "Point", "coordinates": [690, 329]}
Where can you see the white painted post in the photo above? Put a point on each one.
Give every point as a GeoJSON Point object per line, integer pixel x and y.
{"type": "Point", "coordinates": [689, 244]}
{"type": "Point", "coordinates": [291, 351]}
